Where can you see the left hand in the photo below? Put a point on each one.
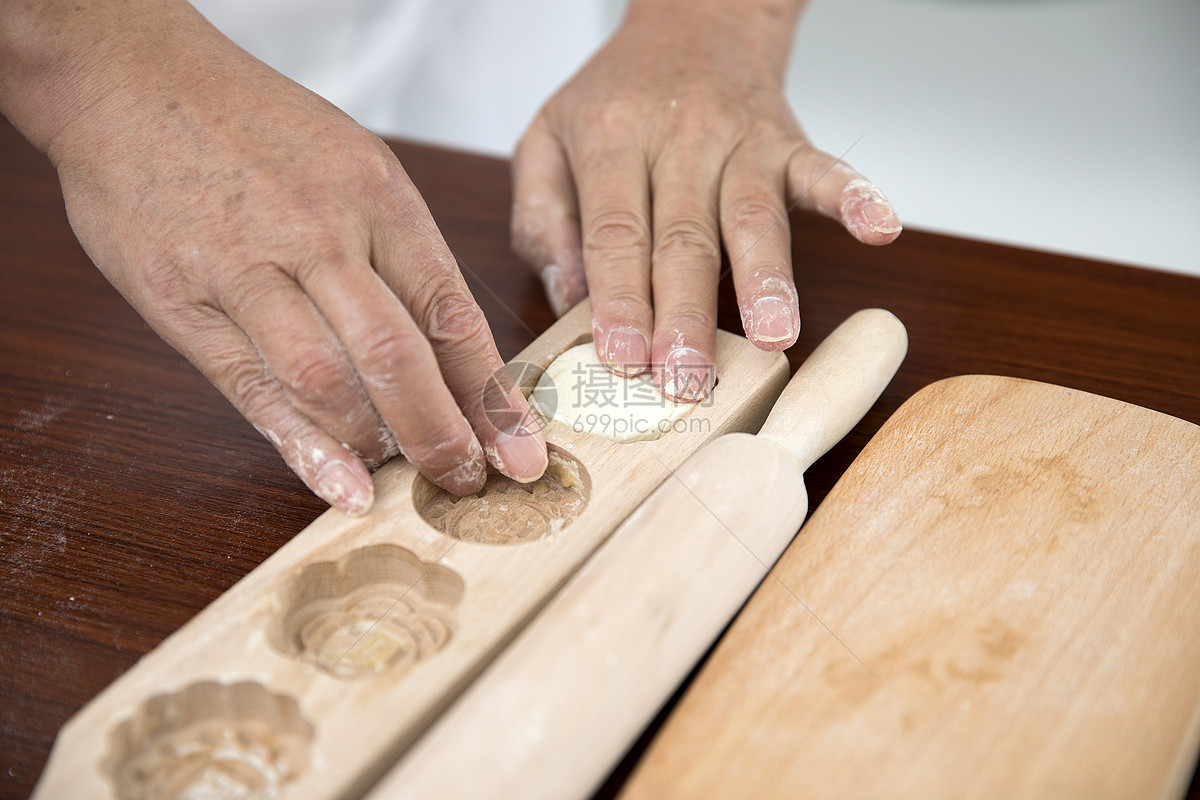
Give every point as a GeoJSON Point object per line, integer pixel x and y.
{"type": "Point", "coordinates": [675, 138]}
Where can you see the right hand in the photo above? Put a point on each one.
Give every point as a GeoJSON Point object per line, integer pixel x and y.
{"type": "Point", "coordinates": [283, 250]}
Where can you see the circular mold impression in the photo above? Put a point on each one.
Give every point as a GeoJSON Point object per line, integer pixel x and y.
{"type": "Point", "coordinates": [505, 511]}
{"type": "Point", "coordinates": [377, 608]}
{"type": "Point", "coordinates": [211, 741]}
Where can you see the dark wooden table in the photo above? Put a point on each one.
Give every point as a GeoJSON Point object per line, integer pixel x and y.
{"type": "Point", "coordinates": [132, 494]}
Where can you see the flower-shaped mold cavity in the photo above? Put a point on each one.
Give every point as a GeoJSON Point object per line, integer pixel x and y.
{"type": "Point", "coordinates": [210, 741]}
{"type": "Point", "coordinates": [507, 512]}
{"type": "Point", "coordinates": [377, 608]}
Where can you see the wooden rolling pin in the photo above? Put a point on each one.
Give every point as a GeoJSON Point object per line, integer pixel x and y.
{"type": "Point", "coordinates": [556, 710]}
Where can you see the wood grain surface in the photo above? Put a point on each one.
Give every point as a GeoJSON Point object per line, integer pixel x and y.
{"type": "Point", "coordinates": [366, 628]}
{"type": "Point", "coordinates": [998, 599]}
{"type": "Point", "coordinates": [132, 494]}
{"type": "Point", "coordinates": [552, 715]}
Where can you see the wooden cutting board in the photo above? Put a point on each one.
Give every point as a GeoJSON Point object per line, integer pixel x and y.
{"type": "Point", "coordinates": [1000, 598]}
{"type": "Point", "coordinates": [311, 675]}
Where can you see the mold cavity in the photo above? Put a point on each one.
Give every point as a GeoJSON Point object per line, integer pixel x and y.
{"type": "Point", "coordinates": [210, 741]}
{"type": "Point", "coordinates": [507, 512]}
{"type": "Point", "coordinates": [377, 608]}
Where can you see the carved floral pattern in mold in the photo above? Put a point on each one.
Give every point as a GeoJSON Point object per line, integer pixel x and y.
{"type": "Point", "coordinates": [507, 512]}
{"type": "Point", "coordinates": [210, 741]}
{"type": "Point", "coordinates": [378, 608]}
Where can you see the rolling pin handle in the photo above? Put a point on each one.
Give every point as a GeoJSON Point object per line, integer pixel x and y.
{"type": "Point", "coordinates": [837, 385]}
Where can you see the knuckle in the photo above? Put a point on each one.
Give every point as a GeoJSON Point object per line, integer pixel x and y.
{"type": "Point", "coordinates": [315, 378]}
{"type": "Point", "coordinates": [387, 355]}
{"type": "Point", "coordinates": [165, 282]}
{"type": "Point", "coordinates": [616, 230]}
{"type": "Point", "coordinates": [624, 302]}
{"type": "Point", "coordinates": [452, 317]}
{"type": "Point", "coordinates": [691, 320]}
{"type": "Point", "coordinates": [388, 168]}
{"type": "Point", "coordinates": [326, 258]}
{"type": "Point", "coordinates": [253, 388]}
{"type": "Point", "coordinates": [772, 129]}
{"type": "Point", "coordinates": [371, 151]}
{"type": "Point", "coordinates": [753, 216]}
{"type": "Point", "coordinates": [690, 276]}
{"type": "Point", "coordinates": [698, 130]}
{"type": "Point", "coordinates": [687, 237]}
{"type": "Point", "coordinates": [252, 287]}
{"type": "Point", "coordinates": [612, 119]}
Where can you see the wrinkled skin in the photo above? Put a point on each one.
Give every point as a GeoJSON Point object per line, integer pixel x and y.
{"type": "Point", "coordinates": [675, 140]}
{"type": "Point", "coordinates": [283, 250]}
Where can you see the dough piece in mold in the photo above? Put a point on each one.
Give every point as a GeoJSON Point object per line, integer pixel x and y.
{"type": "Point", "coordinates": [580, 392]}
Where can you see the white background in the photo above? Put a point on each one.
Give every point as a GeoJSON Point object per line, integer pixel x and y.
{"type": "Point", "coordinates": [1065, 125]}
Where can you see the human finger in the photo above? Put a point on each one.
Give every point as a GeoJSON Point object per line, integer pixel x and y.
{"type": "Point", "coordinates": [399, 371]}
{"type": "Point", "coordinates": [820, 182]}
{"type": "Point", "coordinates": [545, 217]}
{"type": "Point", "coordinates": [227, 357]}
{"type": "Point", "coordinates": [304, 355]}
{"type": "Point", "coordinates": [686, 262]}
{"type": "Point", "coordinates": [614, 206]}
{"type": "Point", "coordinates": [457, 331]}
{"type": "Point", "coordinates": [757, 237]}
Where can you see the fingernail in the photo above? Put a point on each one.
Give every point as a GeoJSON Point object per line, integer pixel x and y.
{"type": "Point", "coordinates": [343, 488]}
{"type": "Point", "coordinates": [880, 216]}
{"type": "Point", "coordinates": [773, 320]}
{"type": "Point", "coordinates": [687, 375]}
{"type": "Point", "coordinates": [626, 351]}
{"type": "Point", "coordinates": [557, 291]}
{"type": "Point", "coordinates": [521, 455]}
{"type": "Point", "coordinates": [867, 211]}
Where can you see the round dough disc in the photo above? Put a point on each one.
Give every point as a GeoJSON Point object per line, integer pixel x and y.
{"type": "Point", "coordinates": [579, 391]}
